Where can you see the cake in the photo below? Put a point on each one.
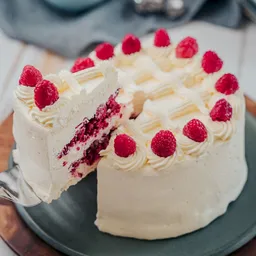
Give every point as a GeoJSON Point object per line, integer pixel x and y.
{"type": "Point", "coordinates": [170, 158]}
{"type": "Point", "coordinates": [61, 122]}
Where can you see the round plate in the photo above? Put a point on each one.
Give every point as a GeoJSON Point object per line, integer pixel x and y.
{"type": "Point", "coordinates": [68, 223]}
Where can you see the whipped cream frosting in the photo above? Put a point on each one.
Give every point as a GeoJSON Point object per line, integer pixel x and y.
{"type": "Point", "coordinates": [222, 130]}
{"type": "Point", "coordinates": [193, 148]}
{"type": "Point", "coordinates": [48, 115]}
{"type": "Point", "coordinates": [25, 94]}
{"type": "Point", "coordinates": [122, 59]}
{"type": "Point", "coordinates": [56, 80]}
{"type": "Point", "coordinates": [161, 56]}
{"type": "Point", "coordinates": [160, 163]}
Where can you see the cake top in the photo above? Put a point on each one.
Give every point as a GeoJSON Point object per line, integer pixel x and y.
{"type": "Point", "coordinates": [187, 103]}
{"type": "Point", "coordinates": [183, 101]}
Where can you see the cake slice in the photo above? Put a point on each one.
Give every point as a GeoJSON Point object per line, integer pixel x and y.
{"type": "Point", "coordinates": [62, 122]}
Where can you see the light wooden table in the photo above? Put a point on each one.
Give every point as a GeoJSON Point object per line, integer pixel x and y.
{"type": "Point", "coordinates": [237, 48]}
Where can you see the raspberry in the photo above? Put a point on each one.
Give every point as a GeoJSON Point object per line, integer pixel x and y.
{"type": "Point", "coordinates": [195, 130]}
{"type": "Point", "coordinates": [211, 62]}
{"type": "Point", "coordinates": [30, 76]}
{"type": "Point", "coordinates": [46, 94]}
{"type": "Point", "coordinates": [81, 64]}
{"type": "Point", "coordinates": [131, 44]}
{"type": "Point", "coordinates": [222, 111]}
{"type": "Point", "coordinates": [162, 38]}
{"type": "Point", "coordinates": [124, 145]}
{"type": "Point", "coordinates": [163, 144]}
{"type": "Point", "coordinates": [187, 48]}
{"type": "Point", "coordinates": [227, 84]}
{"type": "Point", "coordinates": [104, 51]}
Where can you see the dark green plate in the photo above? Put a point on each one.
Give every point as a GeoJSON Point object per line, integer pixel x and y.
{"type": "Point", "coordinates": [68, 223]}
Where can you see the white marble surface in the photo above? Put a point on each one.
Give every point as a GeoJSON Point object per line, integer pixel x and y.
{"type": "Point", "coordinates": [236, 47]}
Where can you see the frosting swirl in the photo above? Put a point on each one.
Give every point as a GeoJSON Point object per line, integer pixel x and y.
{"type": "Point", "coordinates": [56, 80]}
{"type": "Point", "coordinates": [160, 55]}
{"type": "Point", "coordinates": [222, 130]}
{"type": "Point", "coordinates": [131, 163]}
{"type": "Point", "coordinates": [236, 104]}
{"type": "Point", "coordinates": [26, 95]}
{"type": "Point", "coordinates": [48, 115]}
{"type": "Point", "coordinates": [180, 62]}
{"type": "Point", "coordinates": [193, 148]}
{"type": "Point", "coordinates": [195, 73]}
{"type": "Point", "coordinates": [160, 163]}
{"type": "Point", "coordinates": [122, 59]}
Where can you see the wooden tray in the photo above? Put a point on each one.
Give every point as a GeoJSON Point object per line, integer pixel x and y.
{"type": "Point", "coordinates": [21, 239]}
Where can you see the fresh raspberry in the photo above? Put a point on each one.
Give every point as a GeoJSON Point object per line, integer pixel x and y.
{"type": "Point", "coordinates": [81, 64]}
{"type": "Point", "coordinates": [163, 144]}
{"type": "Point", "coordinates": [30, 76]}
{"type": "Point", "coordinates": [124, 145]}
{"type": "Point", "coordinates": [227, 84]}
{"type": "Point", "coordinates": [131, 44]}
{"type": "Point", "coordinates": [222, 111]}
{"type": "Point", "coordinates": [104, 51]}
{"type": "Point", "coordinates": [46, 94]}
{"type": "Point", "coordinates": [211, 62]}
{"type": "Point", "coordinates": [187, 48]}
{"type": "Point", "coordinates": [195, 130]}
{"type": "Point", "coordinates": [162, 38]}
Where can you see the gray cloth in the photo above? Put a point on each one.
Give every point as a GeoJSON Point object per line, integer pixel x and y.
{"type": "Point", "coordinates": [36, 22]}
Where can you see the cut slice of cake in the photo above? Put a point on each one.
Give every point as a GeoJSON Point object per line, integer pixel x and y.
{"type": "Point", "coordinates": [62, 122]}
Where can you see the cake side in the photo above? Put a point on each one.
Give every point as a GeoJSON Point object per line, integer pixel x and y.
{"type": "Point", "coordinates": [186, 197]}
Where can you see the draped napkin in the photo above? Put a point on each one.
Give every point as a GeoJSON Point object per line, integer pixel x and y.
{"type": "Point", "coordinates": [69, 34]}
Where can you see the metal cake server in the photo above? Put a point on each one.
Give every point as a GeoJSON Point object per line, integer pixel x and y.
{"type": "Point", "coordinates": [13, 187]}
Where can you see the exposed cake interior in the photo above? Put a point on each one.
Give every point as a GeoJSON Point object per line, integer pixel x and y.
{"type": "Point", "coordinates": [92, 136]}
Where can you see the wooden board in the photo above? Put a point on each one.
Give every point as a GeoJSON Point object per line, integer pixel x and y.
{"type": "Point", "coordinates": [21, 239]}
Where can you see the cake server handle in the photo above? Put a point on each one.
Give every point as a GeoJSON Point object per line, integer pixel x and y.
{"type": "Point", "coordinates": [13, 187]}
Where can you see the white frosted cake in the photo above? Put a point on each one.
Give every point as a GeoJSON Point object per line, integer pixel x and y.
{"type": "Point", "coordinates": [170, 155]}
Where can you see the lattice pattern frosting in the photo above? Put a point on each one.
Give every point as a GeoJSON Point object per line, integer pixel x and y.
{"type": "Point", "coordinates": [175, 90]}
